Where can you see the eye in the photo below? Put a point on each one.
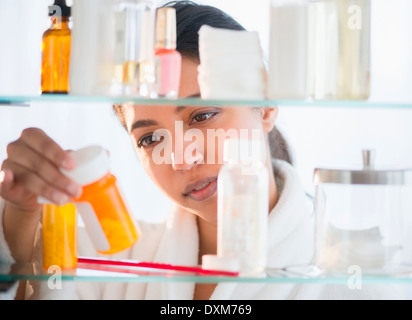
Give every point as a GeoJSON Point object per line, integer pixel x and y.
{"type": "Point", "coordinates": [149, 140]}
{"type": "Point", "coordinates": [204, 116]}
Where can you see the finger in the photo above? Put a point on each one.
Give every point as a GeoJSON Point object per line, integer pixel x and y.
{"type": "Point", "coordinates": [33, 184]}
{"type": "Point", "coordinates": [6, 185]}
{"type": "Point", "coordinates": [8, 190]}
{"type": "Point", "coordinates": [45, 146]}
{"type": "Point", "coordinates": [6, 180]}
{"type": "Point", "coordinates": [16, 194]}
{"type": "Point", "coordinates": [24, 156]}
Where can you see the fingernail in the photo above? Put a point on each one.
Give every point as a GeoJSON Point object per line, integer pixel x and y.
{"type": "Point", "coordinates": [2, 176]}
{"type": "Point", "coordinates": [60, 198]}
{"type": "Point", "coordinates": [68, 163]}
{"type": "Point", "coordinates": [74, 190]}
{"type": "Point", "coordinates": [41, 200]}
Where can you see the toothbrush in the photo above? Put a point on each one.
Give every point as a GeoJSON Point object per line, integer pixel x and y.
{"type": "Point", "coordinates": [153, 265]}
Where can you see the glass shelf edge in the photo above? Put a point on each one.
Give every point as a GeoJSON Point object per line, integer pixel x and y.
{"type": "Point", "coordinates": [26, 272]}
{"type": "Point", "coordinates": [185, 279]}
{"type": "Point", "coordinates": [24, 100]}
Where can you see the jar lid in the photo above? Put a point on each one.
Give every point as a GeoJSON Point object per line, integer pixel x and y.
{"type": "Point", "coordinates": [92, 164]}
{"type": "Point", "coordinates": [367, 175]}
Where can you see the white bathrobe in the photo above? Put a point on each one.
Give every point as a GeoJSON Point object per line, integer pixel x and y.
{"type": "Point", "coordinates": [291, 242]}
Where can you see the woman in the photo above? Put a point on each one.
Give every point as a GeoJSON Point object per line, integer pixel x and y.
{"type": "Point", "coordinates": [32, 170]}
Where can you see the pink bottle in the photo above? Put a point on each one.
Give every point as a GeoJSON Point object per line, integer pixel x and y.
{"type": "Point", "coordinates": [168, 60]}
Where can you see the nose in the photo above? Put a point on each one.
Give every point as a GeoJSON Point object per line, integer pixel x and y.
{"type": "Point", "coordinates": [188, 155]}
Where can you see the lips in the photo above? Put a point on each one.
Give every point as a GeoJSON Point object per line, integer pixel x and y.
{"type": "Point", "coordinates": [201, 190]}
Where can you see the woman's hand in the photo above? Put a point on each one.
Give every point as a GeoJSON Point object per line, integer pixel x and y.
{"type": "Point", "coordinates": [32, 170]}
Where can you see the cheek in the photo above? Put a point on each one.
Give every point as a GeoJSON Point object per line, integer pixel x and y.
{"type": "Point", "coordinates": [155, 172]}
{"type": "Point", "coordinates": [161, 175]}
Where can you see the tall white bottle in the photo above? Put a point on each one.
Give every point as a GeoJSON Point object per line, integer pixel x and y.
{"type": "Point", "coordinates": [288, 49]}
{"type": "Point", "coordinates": [243, 205]}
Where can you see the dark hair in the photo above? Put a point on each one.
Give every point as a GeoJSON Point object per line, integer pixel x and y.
{"type": "Point", "coordinates": [190, 17]}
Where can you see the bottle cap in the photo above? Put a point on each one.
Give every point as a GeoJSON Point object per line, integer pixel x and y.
{"type": "Point", "coordinates": [60, 9]}
{"type": "Point", "coordinates": [244, 151]}
{"type": "Point", "coordinates": [92, 164]}
{"type": "Point", "coordinates": [214, 262]}
{"type": "Point", "coordinates": [166, 28]}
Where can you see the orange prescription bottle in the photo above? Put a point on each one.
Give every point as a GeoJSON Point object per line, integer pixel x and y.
{"type": "Point", "coordinates": [56, 50]}
{"type": "Point", "coordinates": [102, 207]}
{"type": "Point", "coordinates": [59, 236]}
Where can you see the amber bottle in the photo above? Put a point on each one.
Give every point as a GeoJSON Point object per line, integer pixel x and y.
{"type": "Point", "coordinates": [56, 51]}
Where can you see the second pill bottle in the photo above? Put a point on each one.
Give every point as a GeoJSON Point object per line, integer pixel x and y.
{"type": "Point", "coordinates": [59, 236]}
{"type": "Point", "coordinates": [102, 207]}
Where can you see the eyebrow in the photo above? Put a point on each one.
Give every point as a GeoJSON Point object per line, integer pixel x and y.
{"type": "Point", "coordinates": [143, 124]}
{"type": "Point", "coordinates": [149, 123]}
{"type": "Point", "coordinates": [181, 108]}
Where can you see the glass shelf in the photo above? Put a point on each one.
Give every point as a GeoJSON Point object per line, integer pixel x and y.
{"type": "Point", "coordinates": [298, 275]}
{"type": "Point", "coordinates": [27, 100]}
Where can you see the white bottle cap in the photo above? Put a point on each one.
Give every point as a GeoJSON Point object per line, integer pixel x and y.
{"type": "Point", "coordinates": [214, 262]}
{"type": "Point", "coordinates": [244, 151]}
{"type": "Point", "coordinates": [92, 164]}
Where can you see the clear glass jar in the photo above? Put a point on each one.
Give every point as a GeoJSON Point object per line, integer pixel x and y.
{"type": "Point", "coordinates": [363, 219]}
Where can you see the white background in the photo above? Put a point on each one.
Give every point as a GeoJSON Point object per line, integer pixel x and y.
{"type": "Point", "coordinates": [319, 137]}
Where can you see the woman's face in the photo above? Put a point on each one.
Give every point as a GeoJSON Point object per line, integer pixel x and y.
{"type": "Point", "coordinates": [181, 148]}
